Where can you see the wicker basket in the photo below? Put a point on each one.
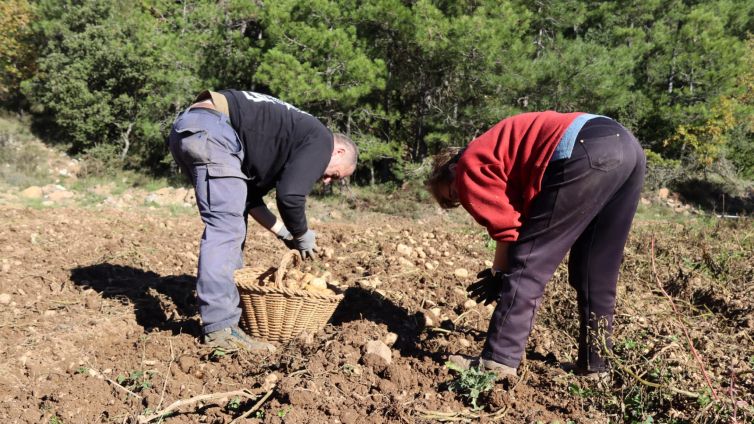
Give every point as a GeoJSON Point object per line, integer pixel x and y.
{"type": "Point", "coordinates": [278, 313]}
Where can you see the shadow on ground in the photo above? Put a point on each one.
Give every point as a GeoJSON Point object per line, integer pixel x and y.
{"type": "Point", "coordinates": [360, 303]}
{"type": "Point", "coordinates": [160, 302]}
{"type": "Point", "coordinates": [715, 197]}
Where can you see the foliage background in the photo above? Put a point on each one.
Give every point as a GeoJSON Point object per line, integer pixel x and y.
{"type": "Point", "coordinates": [404, 78]}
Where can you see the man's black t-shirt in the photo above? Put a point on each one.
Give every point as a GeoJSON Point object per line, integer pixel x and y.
{"type": "Point", "coordinates": [284, 148]}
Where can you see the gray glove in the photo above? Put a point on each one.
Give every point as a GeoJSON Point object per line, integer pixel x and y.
{"type": "Point", "coordinates": [286, 237]}
{"type": "Point", "coordinates": [306, 244]}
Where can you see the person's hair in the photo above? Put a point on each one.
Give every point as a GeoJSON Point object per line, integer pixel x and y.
{"type": "Point", "coordinates": [442, 176]}
{"type": "Point", "coordinates": [351, 149]}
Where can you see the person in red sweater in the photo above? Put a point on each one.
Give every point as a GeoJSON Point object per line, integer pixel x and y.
{"type": "Point", "coordinates": [544, 183]}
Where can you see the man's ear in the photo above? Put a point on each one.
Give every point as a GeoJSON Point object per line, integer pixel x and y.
{"type": "Point", "coordinates": [339, 150]}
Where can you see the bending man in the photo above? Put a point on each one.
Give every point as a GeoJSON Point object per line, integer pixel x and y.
{"type": "Point", "coordinates": [236, 146]}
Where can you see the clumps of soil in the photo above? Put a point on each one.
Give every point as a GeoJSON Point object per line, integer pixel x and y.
{"type": "Point", "coordinates": [118, 306]}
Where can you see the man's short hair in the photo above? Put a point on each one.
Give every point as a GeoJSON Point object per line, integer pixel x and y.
{"type": "Point", "coordinates": [351, 148]}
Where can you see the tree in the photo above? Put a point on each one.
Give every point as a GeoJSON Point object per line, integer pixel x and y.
{"type": "Point", "coordinates": [315, 58]}
{"type": "Point", "coordinates": [16, 49]}
{"type": "Point", "coordinates": [107, 74]}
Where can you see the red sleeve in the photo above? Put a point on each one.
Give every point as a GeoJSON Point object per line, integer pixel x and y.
{"type": "Point", "coordinates": [483, 190]}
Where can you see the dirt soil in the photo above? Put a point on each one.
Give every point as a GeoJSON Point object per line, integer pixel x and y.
{"type": "Point", "coordinates": [99, 324]}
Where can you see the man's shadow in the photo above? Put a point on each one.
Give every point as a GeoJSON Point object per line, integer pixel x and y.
{"type": "Point", "coordinates": [168, 303]}
{"type": "Point", "coordinates": [160, 302]}
{"type": "Point", "coordinates": [359, 303]}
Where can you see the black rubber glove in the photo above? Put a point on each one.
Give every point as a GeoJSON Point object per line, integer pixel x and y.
{"type": "Point", "coordinates": [487, 288]}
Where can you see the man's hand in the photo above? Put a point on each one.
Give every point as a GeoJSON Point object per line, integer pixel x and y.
{"type": "Point", "coordinates": [306, 244]}
{"type": "Point", "coordinates": [488, 286]}
{"type": "Point", "coordinates": [286, 237]}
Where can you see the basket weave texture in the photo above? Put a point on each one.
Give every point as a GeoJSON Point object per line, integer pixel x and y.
{"type": "Point", "coordinates": [278, 313]}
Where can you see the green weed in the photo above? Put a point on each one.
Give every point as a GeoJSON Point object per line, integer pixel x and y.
{"type": "Point", "coordinates": [471, 383]}
{"type": "Point", "coordinates": [489, 243]}
{"type": "Point", "coordinates": [234, 405]}
{"type": "Point", "coordinates": [583, 392]}
{"type": "Point", "coordinates": [283, 412]}
{"type": "Point", "coordinates": [218, 353]}
{"type": "Point", "coordinates": [135, 381]}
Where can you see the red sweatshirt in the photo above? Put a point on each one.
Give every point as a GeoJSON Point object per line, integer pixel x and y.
{"type": "Point", "coordinates": [500, 172]}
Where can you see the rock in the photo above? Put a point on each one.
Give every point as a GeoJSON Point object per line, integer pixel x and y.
{"type": "Point", "coordinates": [6, 268]}
{"type": "Point", "coordinates": [645, 201]}
{"type": "Point", "coordinates": [404, 250]}
{"type": "Point", "coordinates": [306, 338]}
{"type": "Point", "coordinates": [93, 302]}
{"type": "Point", "coordinates": [185, 363]}
{"type": "Point", "coordinates": [405, 263]}
{"type": "Point", "coordinates": [152, 198]}
{"type": "Point", "coordinates": [663, 193]}
{"type": "Point", "coordinates": [488, 264]}
{"type": "Point", "coordinates": [464, 343]}
{"type": "Point", "coordinates": [33, 192]}
{"type": "Point", "coordinates": [59, 196]}
{"type": "Point", "coordinates": [429, 321]}
{"type": "Point", "coordinates": [335, 215]}
{"type": "Point", "coordinates": [51, 188]}
{"type": "Point", "coordinates": [429, 265]}
{"type": "Point", "coordinates": [435, 312]}
{"type": "Point", "coordinates": [270, 381]}
{"type": "Point", "coordinates": [103, 190]}
{"type": "Point", "coordinates": [469, 304]}
{"type": "Point", "coordinates": [349, 417]}
{"type": "Point", "coordinates": [5, 299]}
{"type": "Point", "coordinates": [380, 349]}
{"type": "Point", "coordinates": [390, 339]}
{"type": "Point", "coordinates": [461, 273]}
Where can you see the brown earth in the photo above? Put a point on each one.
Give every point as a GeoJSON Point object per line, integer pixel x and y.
{"type": "Point", "coordinates": [98, 323]}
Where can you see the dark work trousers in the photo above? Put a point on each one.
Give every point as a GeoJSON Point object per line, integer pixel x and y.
{"type": "Point", "coordinates": [586, 204]}
{"type": "Point", "coordinates": [208, 150]}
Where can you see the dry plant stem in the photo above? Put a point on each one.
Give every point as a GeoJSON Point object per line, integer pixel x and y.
{"type": "Point", "coordinates": [462, 416]}
{"type": "Point", "coordinates": [114, 383]}
{"type": "Point", "coordinates": [255, 407]}
{"type": "Point", "coordinates": [628, 371]}
{"type": "Point", "coordinates": [683, 326]}
{"type": "Point", "coordinates": [167, 376]}
{"type": "Point", "coordinates": [447, 416]}
{"type": "Point", "coordinates": [118, 386]}
{"type": "Point", "coordinates": [179, 403]}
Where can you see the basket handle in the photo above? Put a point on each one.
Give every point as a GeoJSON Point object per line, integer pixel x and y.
{"type": "Point", "coordinates": [288, 257]}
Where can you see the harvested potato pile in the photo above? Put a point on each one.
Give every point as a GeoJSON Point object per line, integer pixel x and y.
{"type": "Point", "coordinates": [292, 279]}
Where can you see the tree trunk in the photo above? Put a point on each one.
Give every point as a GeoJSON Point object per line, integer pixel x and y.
{"type": "Point", "coordinates": [126, 142]}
